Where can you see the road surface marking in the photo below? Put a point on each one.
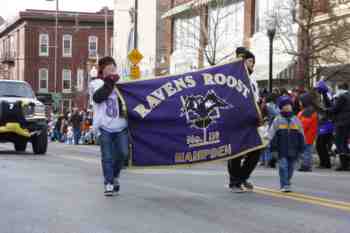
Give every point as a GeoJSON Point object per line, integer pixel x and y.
{"type": "Point", "coordinates": [305, 198]}
{"type": "Point", "coordinates": [340, 205]}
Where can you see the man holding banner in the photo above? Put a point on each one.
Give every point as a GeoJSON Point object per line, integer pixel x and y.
{"type": "Point", "coordinates": [240, 169]}
{"type": "Point", "coordinates": [110, 124]}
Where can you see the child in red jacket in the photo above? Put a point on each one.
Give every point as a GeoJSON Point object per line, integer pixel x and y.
{"type": "Point", "coordinates": [309, 121]}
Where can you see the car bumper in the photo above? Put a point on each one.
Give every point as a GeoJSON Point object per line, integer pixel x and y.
{"type": "Point", "coordinates": [16, 129]}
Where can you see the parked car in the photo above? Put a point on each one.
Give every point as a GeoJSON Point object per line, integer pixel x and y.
{"type": "Point", "coordinates": [22, 117]}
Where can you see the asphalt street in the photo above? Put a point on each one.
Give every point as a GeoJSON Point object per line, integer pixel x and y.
{"type": "Point", "coordinates": [62, 192]}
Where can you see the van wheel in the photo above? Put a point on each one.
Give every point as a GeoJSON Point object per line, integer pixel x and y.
{"type": "Point", "coordinates": [39, 142]}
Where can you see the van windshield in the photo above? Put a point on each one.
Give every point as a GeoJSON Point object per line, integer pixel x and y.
{"type": "Point", "coordinates": [15, 89]}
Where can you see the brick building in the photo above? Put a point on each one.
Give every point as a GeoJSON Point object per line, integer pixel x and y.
{"type": "Point", "coordinates": [27, 52]}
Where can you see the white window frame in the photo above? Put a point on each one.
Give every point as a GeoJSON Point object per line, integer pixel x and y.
{"type": "Point", "coordinates": [80, 79]}
{"type": "Point", "coordinates": [67, 37]}
{"type": "Point", "coordinates": [93, 39]}
{"type": "Point", "coordinates": [112, 46]}
{"type": "Point", "coordinates": [42, 36]}
{"type": "Point", "coordinates": [43, 78]}
{"type": "Point", "coordinates": [69, 105]}
{"type": "Point", "coordinates": [67, 78]}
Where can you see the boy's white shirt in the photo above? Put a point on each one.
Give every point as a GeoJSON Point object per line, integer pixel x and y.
{"type": "Point", "coordinates": [100, 118]}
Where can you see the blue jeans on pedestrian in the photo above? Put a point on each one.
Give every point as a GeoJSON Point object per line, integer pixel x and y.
{"type": "Point", "coordinates": [266, 156]}
{"type": "Point", "coordinates": [114, 150]}
{"type": "Point", "coordinates": [286, 170]}
{"type": "Point", "coordinates": [77, 135]}
{"type": "Point", "coordinates": [307, 157]}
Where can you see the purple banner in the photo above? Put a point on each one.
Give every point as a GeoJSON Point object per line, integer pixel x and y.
{"type": "Point", "coordinates": [196, 117]}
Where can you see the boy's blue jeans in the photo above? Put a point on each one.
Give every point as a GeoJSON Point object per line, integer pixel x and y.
{"type": "Point", "coordinates": [286, 170]}
{"type": "Point", "coordinates": [114, 150]}
{"type": "Point", "coordinates": [307, 157]}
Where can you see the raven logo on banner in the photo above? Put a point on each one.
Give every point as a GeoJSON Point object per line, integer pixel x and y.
{"type": "Point", "coordinates": [196, 117]}
{"type": "Point", "coordinates": [201, 112]}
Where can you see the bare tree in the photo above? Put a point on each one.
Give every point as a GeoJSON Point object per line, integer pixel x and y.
{"type": "Point", "coordinates": [207, 34]}
{"type": "Point", "coordinates": [323, 35]}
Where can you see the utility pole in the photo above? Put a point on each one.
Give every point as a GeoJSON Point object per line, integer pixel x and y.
{"type": "Point", "coordinates": [106, 31]}
{"type": "Point", "coordinates": [135, 23]}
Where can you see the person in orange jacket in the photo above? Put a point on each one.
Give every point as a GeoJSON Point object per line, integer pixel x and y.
{"type": "Point", "coordinates": [309, 120]}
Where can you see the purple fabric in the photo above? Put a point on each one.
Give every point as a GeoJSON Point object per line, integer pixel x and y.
{"type": "Point", "coordinates": [326, 127]}
{"type": "Point", "coordinates": [196, 117]}
{"type": "Point", "coordinates": [321, 87]}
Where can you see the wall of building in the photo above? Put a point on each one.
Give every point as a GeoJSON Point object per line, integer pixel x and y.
{"type": "Point", "coordinates": [27, 60]}
{"type": "Point", "coordinates": [148, 35]}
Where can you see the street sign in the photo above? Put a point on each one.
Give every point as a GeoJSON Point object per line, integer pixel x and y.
{"type": "Point", "coordinates": [135, 72]}
{"type": "Point", "coordinates": [135, 56]}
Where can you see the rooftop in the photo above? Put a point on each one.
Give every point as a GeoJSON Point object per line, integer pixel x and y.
{"type": "Point", "coordinates": [49, 15]}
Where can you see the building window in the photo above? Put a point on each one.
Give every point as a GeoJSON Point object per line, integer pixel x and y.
{"type": "Point", "coordinates": [67, 45]}
{"type": "Point", "coordinates": [66, 105]}
{"type": "Point", "coordinates": [93, 43]}
{"type": "Point", "coordinates": [112, 47]}
{"type": "Point", "coordinates": [66, 80]}
{"type": "Point", "coordinates": [43, 45]}
{"type": "Point", "coordinates": [43, 80]}
{"type": "Point", "coordinates": [80, 79]}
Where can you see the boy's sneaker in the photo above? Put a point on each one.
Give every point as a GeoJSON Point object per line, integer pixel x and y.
{"type": "Point", "coordinates": [248, 186]}
{"type": "Point", "coordinates": [116, 186]}
{"type": "Point", "coordinates": [237, 189]}
{"type": "Point", "coordinates": [109, 190]}
{"type": "Point", "coordinates": [285, 189]}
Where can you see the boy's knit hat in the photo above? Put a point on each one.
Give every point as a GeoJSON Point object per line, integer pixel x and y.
{"type": "Point", "coordinates": [284, 100]}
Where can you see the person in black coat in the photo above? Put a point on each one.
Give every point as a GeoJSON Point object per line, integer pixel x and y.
{"type": "Point", "coordinates": [340, 112]}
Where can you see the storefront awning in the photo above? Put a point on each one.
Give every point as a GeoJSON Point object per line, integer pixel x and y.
{"type": "Point", "coordinates": [185, 7]}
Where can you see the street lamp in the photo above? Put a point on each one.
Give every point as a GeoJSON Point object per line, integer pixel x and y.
{"type": "Point", "coordinates": [271, 31]}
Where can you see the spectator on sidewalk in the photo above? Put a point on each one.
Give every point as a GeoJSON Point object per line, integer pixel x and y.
{"type": "Point", "coordinates": [309, 120]}
{"type": "Point", "coordinates": [340, 112]}
{"type": "Point", "coordinates": [76, 120]}
{"type": "Point", "coordinates": [287, 139]}
{"type": "Point", "coordinates": [325, 137]}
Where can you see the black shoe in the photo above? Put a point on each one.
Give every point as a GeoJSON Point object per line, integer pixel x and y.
{"type": "Point", "coordinates": [116, 186]}
{"type": "Point", "coordinates": [248, 186]}
{"type": "Point", "coordinates": [237, 188]}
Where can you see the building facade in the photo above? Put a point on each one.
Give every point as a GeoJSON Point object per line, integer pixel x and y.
{"type": "Point", "coordinates": [150, 36]}
{"type": "Point", "coordinates": [27, 52]}
{"type": "Point", "coordinates": [241, 23]}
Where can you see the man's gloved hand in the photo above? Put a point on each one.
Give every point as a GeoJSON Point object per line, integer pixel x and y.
{"type": "Point", "coordinates": [321, 87]}
{"type": "Point", "coordinates": [110, 80]}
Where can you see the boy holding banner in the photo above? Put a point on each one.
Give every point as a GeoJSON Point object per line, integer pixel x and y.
{"type": "Point", "coordinates": [240, 169]}
{"type": "Point", "coordinates": [110, 124]}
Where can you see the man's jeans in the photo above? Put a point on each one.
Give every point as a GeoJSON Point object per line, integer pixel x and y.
{"type": "Point", "coordinates": [114, 149]}
{"type": "Point", "coordinates": [307, 157]}
{"type": "Point", "coordinates": [77, 135]}
{"type": "Point", "coordinates": [286, 170]}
